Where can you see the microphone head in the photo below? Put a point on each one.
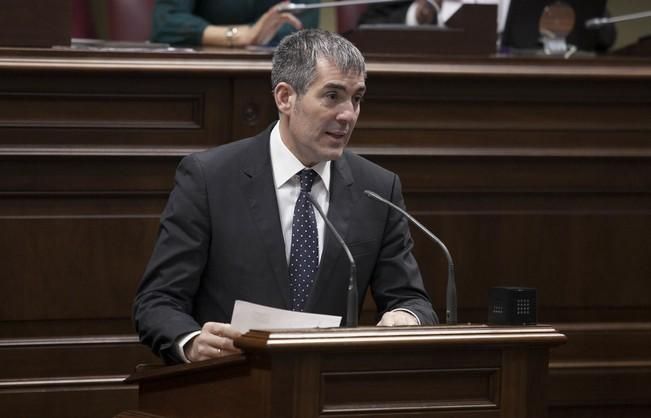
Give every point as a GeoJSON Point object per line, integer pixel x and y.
{"type": "Point", "coordinates": [596, 22]}
{"type": "Point", "coordinates": [371, 194]}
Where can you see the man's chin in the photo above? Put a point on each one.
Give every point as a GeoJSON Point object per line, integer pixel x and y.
{"type": "Point", "coordinates": [333, 154]}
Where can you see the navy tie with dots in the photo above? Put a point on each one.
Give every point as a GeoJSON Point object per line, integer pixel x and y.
{"type": "Point", "coordinates": [304, 255]}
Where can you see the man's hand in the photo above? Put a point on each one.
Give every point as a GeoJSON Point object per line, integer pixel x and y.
{"type": "Point", "coordinates": [215, 340]}
{"type": "Point", "coordinates": [397, 318]}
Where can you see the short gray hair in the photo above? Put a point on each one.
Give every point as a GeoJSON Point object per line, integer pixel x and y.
{"type": "Point", "coordinates": [294, 61]}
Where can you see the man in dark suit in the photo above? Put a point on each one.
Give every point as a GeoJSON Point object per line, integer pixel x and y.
{"type": "Point", "coordinates": [229, 230]}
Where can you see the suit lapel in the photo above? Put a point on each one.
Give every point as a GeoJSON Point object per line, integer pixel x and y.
{"type": "Point", "coordinates": [339, 212]}
{"type": "Point", "coordinates": [258, 187]}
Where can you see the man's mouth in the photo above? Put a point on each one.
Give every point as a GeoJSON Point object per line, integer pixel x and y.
{"type": "Point", "coordinates": [337, 134]}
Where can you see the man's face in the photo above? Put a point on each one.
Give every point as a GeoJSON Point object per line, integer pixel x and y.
{"type": "Point", "coordinates": [320, 122]}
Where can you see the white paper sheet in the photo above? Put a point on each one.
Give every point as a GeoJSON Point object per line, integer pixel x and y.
{"type": "Point", "coordinates": [450, 7]}
{"type": "Point", "coordinates": [247, 315]}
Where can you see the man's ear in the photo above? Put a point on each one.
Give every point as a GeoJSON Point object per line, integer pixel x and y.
{"type": "Point", "coordinates": [285, 97]}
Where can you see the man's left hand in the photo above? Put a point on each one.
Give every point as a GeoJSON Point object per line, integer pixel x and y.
{"type": "Point", "coordinates": [396, 319]}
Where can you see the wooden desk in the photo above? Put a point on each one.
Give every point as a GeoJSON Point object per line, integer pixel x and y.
{"type": "Point", "coordinates": [441, 372]}
{"type": "Point", "coordinates": [535, 172]}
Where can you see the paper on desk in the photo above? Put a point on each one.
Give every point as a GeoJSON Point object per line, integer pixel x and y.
{"type": "Point", "coordinates": [247, 315]}
{"type": "Point", "coordinates": [450, 7]}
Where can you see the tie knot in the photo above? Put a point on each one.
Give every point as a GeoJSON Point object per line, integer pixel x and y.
{"type": "Point", "coordinates": [307, 179]}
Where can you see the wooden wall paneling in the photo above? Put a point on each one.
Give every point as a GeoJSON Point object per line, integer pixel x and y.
{"type": "Point", "coordinates": [122, 112]}
{"type": "Point", "coordinates": [83, 398]}
{"type": "Point", "coordinates": [490, 114]}
{"type": "Point", "coordinates": [76, 232]}
{"type": "Point", "coordinates": [254, 107]}
{"type": "Point", "coordinates": [50, 358]}
{"type": "Point", "coordinates": [87, 160]}
{"type": "Point", "coordinates": [534, 172]}
{"type": "Point", "coordinates": [532, 181]}
{"type": "Point", "coordinates": [64, 377]}
{"type": "Point", "coordinates": [604, 372]}
{"type": "Point", "coordinates": [503, 229]}
{"type": "Point", "coordinates": [541, 182]}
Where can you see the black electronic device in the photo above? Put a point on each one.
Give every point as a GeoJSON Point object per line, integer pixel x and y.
{"type": "Point", "coordinates": [512, 306]}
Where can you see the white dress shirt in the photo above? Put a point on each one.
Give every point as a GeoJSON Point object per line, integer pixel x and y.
{"type": "Point", "coordinates": [285, 167]}
{"type": "Point", "coordinates": [502, 13]}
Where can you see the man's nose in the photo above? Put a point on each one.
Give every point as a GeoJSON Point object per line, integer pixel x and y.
{"type": "Point", "coordinates": [347, 112]}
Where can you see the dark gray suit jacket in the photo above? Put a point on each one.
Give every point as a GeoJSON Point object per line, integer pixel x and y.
{"type": "Point", "coordinates": [220, 240]}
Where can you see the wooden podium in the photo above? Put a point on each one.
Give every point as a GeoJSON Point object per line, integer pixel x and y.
{"type": "Point", "coordinates": [446, 371]}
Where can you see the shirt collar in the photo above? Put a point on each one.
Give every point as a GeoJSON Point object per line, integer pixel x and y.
{"type": "Point", "coordinates": [285, 165]}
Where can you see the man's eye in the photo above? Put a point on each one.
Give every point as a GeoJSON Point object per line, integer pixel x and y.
{"type": "Point", "coordinates": [331, 96]}
{"type": "Point", "coordinates": [358, 99]}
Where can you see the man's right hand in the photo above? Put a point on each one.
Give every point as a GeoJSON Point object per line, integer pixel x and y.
{"type": "Point", "coordinates": [215, 340]}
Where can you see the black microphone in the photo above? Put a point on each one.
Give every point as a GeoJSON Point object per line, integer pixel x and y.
{"type": "Point", "coordinates": [451, 291]}
{"type": "Point", "coordinates": [352, 303]}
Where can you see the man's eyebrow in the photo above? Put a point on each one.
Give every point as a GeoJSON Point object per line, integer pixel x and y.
{"type": "Point", "coordinates": [340, 86]}
{"type": "Point", "coordinates": [334, 85]}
